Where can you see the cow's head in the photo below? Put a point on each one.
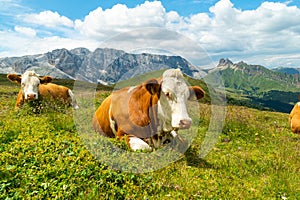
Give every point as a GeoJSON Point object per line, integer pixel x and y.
{"type": "Point", "coordinates": [30, 82]}
{"type": "Point", "coordinates": [173, 95]}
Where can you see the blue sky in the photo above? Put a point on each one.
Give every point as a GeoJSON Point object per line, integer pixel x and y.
{"type": "Point", "coordinates": [255, 31]}
{"type": "Point", "coordinates": [78, 9]}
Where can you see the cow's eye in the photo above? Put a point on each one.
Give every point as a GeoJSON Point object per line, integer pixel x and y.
{"type": "Point", "coordinates": [168, 95]}
{"type": "Point", "coordinates": [22, 84]}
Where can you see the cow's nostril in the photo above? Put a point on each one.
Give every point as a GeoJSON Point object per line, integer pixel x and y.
{"type": "Point", "coordinates": [185, 123]}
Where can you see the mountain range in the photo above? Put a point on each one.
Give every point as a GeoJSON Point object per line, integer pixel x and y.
{"type": "Point", "coordinates": [255, 79]}
{"type": "Point", "coordinates": [257, 86]}
{"type": "Point", "coordinates": [250, 85]}
{"type": "Point", "coordinates": [287, 70]}
{"type": "Point", "coordinates": [105, 66]}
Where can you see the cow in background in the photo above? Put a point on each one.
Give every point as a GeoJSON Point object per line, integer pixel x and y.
{"type": "Point", "coordinates": [294, 118]}
{"type": "Point", "coordinates": [149, 114]}
{"type": "Point", "coordinates": [35, 88]}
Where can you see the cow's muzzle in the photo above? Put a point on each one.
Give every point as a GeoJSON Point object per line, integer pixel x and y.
{"type": "Point", "coordinates": [30, 97]}
{"type": "Point", "coordinates": [185, 123]}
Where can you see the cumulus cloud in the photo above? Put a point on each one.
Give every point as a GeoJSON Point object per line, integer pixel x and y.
{"type": "Point", "coordinates": [14, 41]}
{"type": "Point", "coordinates": [48, 19]}
{"type": "Point", "coordinates": [102, 23]}
{"type": "Point", "coordinates": [224, 31]}
{"type": "Point", "coordinates": [25, 31]}
{"type": "Point", "coordinates": [270, 29]}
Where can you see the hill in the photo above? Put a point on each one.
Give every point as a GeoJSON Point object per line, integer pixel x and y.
{"type": "Point", "coordinates": [287, 70]}
{"type": "Point", "coordinates": [42, 156]}
{"type": "Point", "coordinates": [255, 79]}
{"type": "Point", "coordinates": [257, 86]}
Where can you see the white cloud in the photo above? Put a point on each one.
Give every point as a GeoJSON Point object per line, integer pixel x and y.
{"type": "Point", "coordinates": [102, 23]}
{"type": "Point", "coordinates": [14, 43]}
{"type": "Point", "coordinates": [48, 19]}
{"type": "Point", "coordinates": [25, 31]}
{"type": "Point", "coordinates": [270, 30]}
{"type": "Point", "coordinates": [10, 7]}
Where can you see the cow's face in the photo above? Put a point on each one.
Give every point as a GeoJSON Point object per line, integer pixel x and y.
{"type": "Point", "coordinates": [29, 83]}
{"type": "Point", "coordinates": [174, 94]}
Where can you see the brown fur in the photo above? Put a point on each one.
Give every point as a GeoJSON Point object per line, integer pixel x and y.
{"type": "Point", "coordinates": [130, 111]}
{"type": "Point", "coordinates": [133, 110]}
{"type": "Point", "coordinates": [294, 119]}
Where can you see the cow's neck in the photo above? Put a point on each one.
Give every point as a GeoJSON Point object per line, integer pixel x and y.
{"type": "Point", "coordinates": [164, 120]}
{"type": "Point", "coordinates": [153, 116]}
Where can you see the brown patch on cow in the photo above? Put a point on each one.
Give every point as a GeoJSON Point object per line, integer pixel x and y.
{"type": "Point", "coordinates": [196, 91]}
{"type": "Point", "coordinates": [45, 79]}
{"type": "Point", "coordinates": [14, 78]}
{"type": "Point", "coordinates": [142, 105]}
{"type": "Point", "coordinates": [134, 111]}
{"type": "Point", "coordinates": [101, 119]}
{"type": "Point", "coordinates": [294, 119]}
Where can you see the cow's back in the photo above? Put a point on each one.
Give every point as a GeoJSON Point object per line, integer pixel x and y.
{"type": "Point", "coordinates": [294, 118]}
{"type": "Point", "coordinates": [52, 91]}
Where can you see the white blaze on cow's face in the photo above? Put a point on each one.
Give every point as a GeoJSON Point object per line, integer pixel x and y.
{"type": "Point", "coordinates": [172, 103]}
{"type": "Point", "coordinates": [30, 85]}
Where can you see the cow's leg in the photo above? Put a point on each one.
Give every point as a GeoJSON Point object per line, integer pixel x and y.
{"type": "Point", "coordinates": [74, 103]}
{"type": "Point", "coordinates": [136, 143]}
{"type": "Point", "coordinates": [20, 100]}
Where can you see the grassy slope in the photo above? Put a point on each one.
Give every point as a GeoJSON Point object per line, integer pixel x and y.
{"type": "Point", "coordinates": [42, 156]}
{"type": "Point", "coordinates": [260, 88]}
{"type": "Point", "coordinates": [259, 82]}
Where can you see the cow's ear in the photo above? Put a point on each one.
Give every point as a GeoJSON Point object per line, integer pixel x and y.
{"type": "Point", "coordinates": [152, 86]}
{"type": "Point", "coordinates": [46, 79]}
{"type": "Point", "coordinates": [196, 91]}
{"type": "Point", "coordinates": [14, 78]}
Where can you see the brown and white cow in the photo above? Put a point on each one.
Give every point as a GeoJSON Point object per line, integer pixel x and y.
{"type": "Point", "coordinates": [149, 114]}
{"type": "Point", "coordinates": [35, 88]}
{"type": "Point", "coordinates": [294, 118]}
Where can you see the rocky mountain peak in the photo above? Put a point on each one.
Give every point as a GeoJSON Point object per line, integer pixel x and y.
{"type": "Point", "coordinates": [103, 65]}
{"type": "Point", "coordinates": [225, 62]}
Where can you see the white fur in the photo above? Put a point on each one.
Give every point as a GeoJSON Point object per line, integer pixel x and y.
{"type": "Point", "coordinates": [74, 103]}
{"type": "Point", "coordinates": [131, 88]}
{"type": "Point", "coordinates": [172, 109]}
{"type": "Point", "coordinates": [173, 133]}
{"type": "Point", "coordinates": [30, 84]}
{"type": "Point", "coordinates": [136, 143]}
{"type": "Point", "coordinates": [112, 123]}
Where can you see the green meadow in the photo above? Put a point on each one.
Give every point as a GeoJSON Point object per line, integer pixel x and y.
{"type": "Point", "coordinates": [42, 156]}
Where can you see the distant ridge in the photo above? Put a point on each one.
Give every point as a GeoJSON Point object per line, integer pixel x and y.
{"type": "Point", "coordinates": [287, 70]}
{"type": "Point", "coordinates": [253, 79]}
{"type": "Point", "coordinates": [257, 86]}
{"type": "Point", "coordinates": [102, 65]}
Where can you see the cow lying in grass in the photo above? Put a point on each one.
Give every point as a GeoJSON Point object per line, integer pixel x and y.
{"type": "Point", "coordinates": [294, 118]}
{"type": "Point", "coordinates": [35, 88]}
{"type": "Point", "coordinates": [149, 114]}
